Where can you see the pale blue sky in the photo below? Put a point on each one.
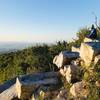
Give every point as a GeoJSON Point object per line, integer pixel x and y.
{"type": "Point", "coordinates": [45, 20]}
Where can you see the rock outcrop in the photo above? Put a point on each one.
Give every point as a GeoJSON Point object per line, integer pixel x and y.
{"type": "Point", "coordinates": [63, 62]}
{"type": "Point", "coordinates": [13, 91]}
{"type": "Point", "coordinates": [26, 85]}
{"type": "Point", "coordinates": [65, 57]}
{"type": "Point", "coordinates": [68, 62]}
{"type": "Point", "coordinates": [88, 51]}
{"type": "Point", "coordinates": [69, 65]}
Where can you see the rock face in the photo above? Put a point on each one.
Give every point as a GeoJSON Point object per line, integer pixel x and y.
{"type": "Point", "coordinates": [64, 58]}
{"type": "Point", "coordinates": [79, 89]}
{"type": "Point", "coordinates": [13, 91]}
{"type": "Point", "coordinates": [88, 51]}
{"type": "Point", "coordinates": [70, 72]}
{"type": "Point", "coordinates": [25, 86]}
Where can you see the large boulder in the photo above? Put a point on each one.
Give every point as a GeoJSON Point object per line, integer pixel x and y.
{"type": "Point", "coordinates": [79, 89]}
{"type": "Point", "coordinates": [88, 51]}
{"type": "Point", "coordinates": [25, 86]}
{"type": "Point", "coordinates": [64, 58]}
{"type": "Point", "coordinates": [12, 92]}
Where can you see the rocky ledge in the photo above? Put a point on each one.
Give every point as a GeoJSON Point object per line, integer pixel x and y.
{"type": "Point", "coordinates": [34, 86]}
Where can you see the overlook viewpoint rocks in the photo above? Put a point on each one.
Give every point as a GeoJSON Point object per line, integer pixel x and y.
{"type": "Point", "coordinates": [24, 86]}
{"type": "Point", "coordinates": [68, 62]}
{"type": "Point", "coordinates": [64, 58]}
{"type": "Point", "coordinates": [88, 54]}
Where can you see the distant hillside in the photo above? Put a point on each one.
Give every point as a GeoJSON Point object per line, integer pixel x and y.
{"type": "Point", "coordinates": [13, 46]}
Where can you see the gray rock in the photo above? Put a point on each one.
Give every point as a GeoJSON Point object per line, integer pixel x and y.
{"type": "Point", "coordinates": [13, 91]}
{"type": "Point", "coordinates": [88, 51]}
{"type": "Point", "coordinates": [26, 85]}
{"type": "Point", "coordinates": [71, 73]}
{"type": "Point", "coordinates": [65, 58]}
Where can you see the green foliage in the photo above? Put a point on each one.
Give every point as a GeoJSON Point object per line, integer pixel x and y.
{"type": "Point", "coordinates": [91, 79]}
{"type": "Point", "coordinates": [35, 59]}
{"type": "Point", "coordinates": [82, 33]}
{"type": "Point", "coordinates": [86, 76]}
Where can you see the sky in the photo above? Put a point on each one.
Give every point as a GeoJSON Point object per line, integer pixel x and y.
{"type": "Point", "coordinates": [45, 20]}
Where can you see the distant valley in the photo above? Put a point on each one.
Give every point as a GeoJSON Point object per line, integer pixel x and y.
{"type": "Point", "coordinates": [13, 46]}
